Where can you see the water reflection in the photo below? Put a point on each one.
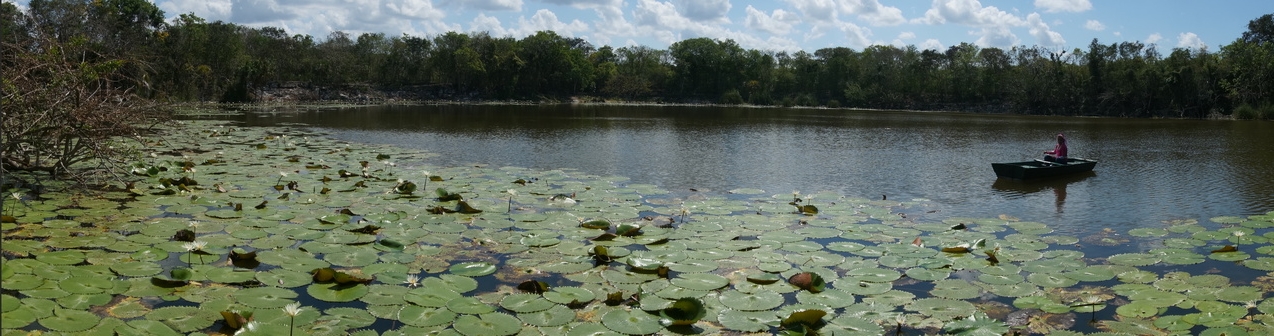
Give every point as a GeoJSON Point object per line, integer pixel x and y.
{"type": "Point", "coordinates": [1151, 171]}
{"type": "Point", "coordinates": [1057, 185]}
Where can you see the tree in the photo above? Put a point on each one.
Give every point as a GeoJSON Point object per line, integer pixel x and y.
{"type": "Point", "coordinates": [62, 103]}
{"type": "Point", "coordinates": [1260, 30]}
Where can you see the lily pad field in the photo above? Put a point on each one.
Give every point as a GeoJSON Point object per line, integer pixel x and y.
{"type": "Point", "coordinates": [283, 231]}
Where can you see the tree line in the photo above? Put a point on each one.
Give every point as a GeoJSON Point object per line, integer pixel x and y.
{"type": "Point", "coordinates": [191, 59]}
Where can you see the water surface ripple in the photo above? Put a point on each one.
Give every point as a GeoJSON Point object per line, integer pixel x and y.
{"type": "Point", "coordinates": [1150, 170]}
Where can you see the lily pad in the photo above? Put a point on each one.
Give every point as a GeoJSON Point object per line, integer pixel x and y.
{"type": "Point", "coordinates": [425, 317]}
{"type": "Point", "coordinates": [755, 301]}
{"type": "Point", "coordinates": [632, 322]}
{"type": "Point", "coordinates": [473, 269]}
{"type": "Point", "coordinates": [67, 320]}
{"type": "Point", "coordinates": [265, 297]}
{"type": "Point", "coordinates": [469, 305]}
{"type": "Point", "coordinates": [557, 315]}
{"type": "Point", "coordinates": [184, 319]}
{"type": "Point", "coordinates": [700, 281]}
{"type": "Point", "coordinates": [337, 292]}
{"type": "Point", "coordinates": [487, 324]}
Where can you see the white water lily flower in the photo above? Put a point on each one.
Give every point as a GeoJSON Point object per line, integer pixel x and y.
{"type": "Point", "coordinates": [195, 245]}
{"type": "Point", "coordinates": [194, 224]}
{"type": "Point", "coordinates": [16, 195]}
{"type": "Point", "coordinates": [512, 192]}
{"type": "Point", "coordinates": [292, 309]}
{"type": "Point", "coordinates": [283, 174]}
{"type": "Point", "coordinates": [412, 281]}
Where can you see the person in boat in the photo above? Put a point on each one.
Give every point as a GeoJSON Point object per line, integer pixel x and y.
{"type": "Point", "coordinates": [1058, 154]}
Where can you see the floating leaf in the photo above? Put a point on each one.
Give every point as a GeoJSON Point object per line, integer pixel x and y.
{"type": "Point", "coordinates": [473, 269]}
{"type": "Point", "coordinates": [184, 319]}
{"type": "Point", "coordinates": [568, 295]}
{"type": "Point", "coordinates": [804, 317]}
{"type": "Point", "coordinates": [632, 322]}
{"type": "Point", "coordinates": [557, 315]}
{"type": "Point", "coordinates": [978, 324]}
{"type": "Point", "coordinates": [337, 292]}
{"type": "Point", "coordinates": [700, 281]}
{"type": "Point", "coordinates": [425, 317]}
{"type": "Point", "coordinates": [66, 320]}
{"type": "Point", "coordinates": [754, 301]}
{"type": "Point", "coordinates": [487, 324]}
{"type": "Point", "coordinates": [684, 311]}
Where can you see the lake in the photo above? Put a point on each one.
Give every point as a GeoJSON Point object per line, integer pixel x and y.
{"type": "Point", "coordinates": [1150, 171]}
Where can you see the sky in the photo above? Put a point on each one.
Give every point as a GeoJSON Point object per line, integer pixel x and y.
{"type": "Point", "coordinates": [776, 25]}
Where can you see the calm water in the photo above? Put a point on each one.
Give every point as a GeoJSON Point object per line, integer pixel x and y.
{"type": "Point", "coordinates": [1150, 170]}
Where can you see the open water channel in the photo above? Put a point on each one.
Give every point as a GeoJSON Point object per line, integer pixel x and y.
{"type": "Point", "coordinates": [1150, 171]}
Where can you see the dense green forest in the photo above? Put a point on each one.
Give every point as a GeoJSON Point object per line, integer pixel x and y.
{"type": "Point", "coordinates": [190, 59]}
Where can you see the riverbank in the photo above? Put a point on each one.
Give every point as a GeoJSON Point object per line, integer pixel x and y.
{"type": "Point", "coordinates": [305, 95]}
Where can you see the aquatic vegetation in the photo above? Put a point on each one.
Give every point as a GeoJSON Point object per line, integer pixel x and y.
{"type": "Point", "coordinates": [179, 253]}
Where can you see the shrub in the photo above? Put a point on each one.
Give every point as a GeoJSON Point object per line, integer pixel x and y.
{"type": "Point", "coordinates": [732, 97]}
{"type": "Point", "coordinates": [63, 104]}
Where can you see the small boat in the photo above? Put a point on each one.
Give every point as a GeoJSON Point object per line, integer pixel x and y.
{"type": "Point", "coordinates": [1028, 170]}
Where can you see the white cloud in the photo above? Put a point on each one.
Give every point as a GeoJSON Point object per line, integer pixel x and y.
{"type": "Point", "coordinates": [780, 22]}
{"type": "Point", "coordinates": [414, 9]}
{"type": "Point", "coordinates": [1042, 33]}
{"type": "Point", "coordinates": [486, 5]}
{"type": "Point", "coordinates": [994, 23]}
{"type": "Point", "coordinates": [546, 20]}
{"type": "Point", "coordinates": [1094, 25]}
{"type": "Point", "coordinates": [829, 11]}
{"type": "Point", "coordinates": [1054, 6]}
{"type": "Point", "coordinates": [968, 12]}
{"type": "Point", "coordinates": [997, 37]}
{"type": "Point", "coordinates": [610, 23]}
{"type": "Point", "coordinates": [703, 10]}
{"type": "Point", "coordinates": [931, 44]}
{"type": "Point", "coordinates": [856, 37]}
{"type": "Point", "coordinates": [490, 24]}
{"type": "Point", "coordinates": [822, 11]}
{"type": "Point", "coordinates": [906, 35]}
{"type": "Point", "coordinates": [1154, 38]}
{"type": "Point", "coordinates": [211, 10]}
{"type": "Point", "coordinates": [1190, 40]}
{"type": "Point", "coordinates": [874, 13]}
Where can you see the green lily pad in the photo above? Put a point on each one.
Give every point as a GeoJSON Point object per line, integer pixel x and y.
{"type": "Point", "coordinates": [469, 305]}
{"type": "Point", "coordinates": [760, 300]}
{"type": "Point", "coordinates": [473, 269]}
{"type": "Point", "coordinates": [955, 289]}
{"type": "Point", "coordinates": [265, 297]}
{"type": "Point", "coordinates": [184, 319]}
{"type": "Point", "coordinates": [524, 303]}
{"type": "Point", "coordinates": [66, 320]}
{"type": "Point", "coordinates": [487, 324]}
{"type": "Point", "coordinates": [942, 309]}
{"type": "Point", "coordinates": [431, 297]}
{"type": "Point", "coordinates": [975, 325]}
{"type": "Point", "coordinates": [632, 322]}
{"type": "Point", "coordinates": [557, 315]}
{"type": "Point", "coordinates": [568, 295]}
{"type": "Point", "coordinates": [425, 317]}
{"type": "Point", "coordinates": [700, 281]}
{"type": "Point", "coordinates": [67, 257]}
{"type": "Point", "coordinates": [748, 321]}
{"type": "Point", "coordinates": [337, 292]}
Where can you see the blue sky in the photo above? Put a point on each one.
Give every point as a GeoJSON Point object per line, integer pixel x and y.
{"type": "Point", "coordinates": [787, 25]}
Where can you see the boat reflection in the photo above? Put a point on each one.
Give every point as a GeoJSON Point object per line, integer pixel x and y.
{"type": "Point", "coordinates": [1057, 185]}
